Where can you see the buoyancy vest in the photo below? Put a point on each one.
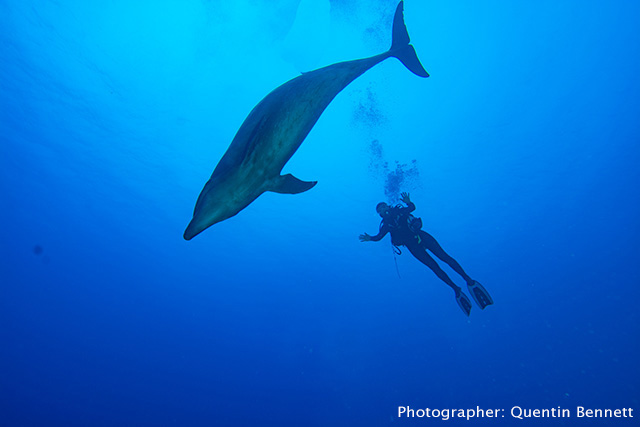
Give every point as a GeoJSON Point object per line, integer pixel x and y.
{"type": "Point", "coordinates": [397, 220]}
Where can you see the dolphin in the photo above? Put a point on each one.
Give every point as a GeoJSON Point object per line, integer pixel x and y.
{"type": "Point", "coordinates": [276, 127]}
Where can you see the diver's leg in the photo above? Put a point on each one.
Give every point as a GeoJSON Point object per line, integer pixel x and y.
{"type": "Point", "coordinates": [421, 255]}
{"type": "Point", "coordinates": [429, 242]}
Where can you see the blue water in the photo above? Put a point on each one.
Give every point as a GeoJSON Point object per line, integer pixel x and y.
{"type": "Point", "coordinates": [521, 152]}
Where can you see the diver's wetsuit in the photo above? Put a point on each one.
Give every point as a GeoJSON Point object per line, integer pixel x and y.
{"type": "Point", "coordinates": [396, 223]}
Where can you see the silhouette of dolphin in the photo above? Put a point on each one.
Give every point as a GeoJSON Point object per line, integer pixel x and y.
{"type": "Point", "coordinates": [276, 127]}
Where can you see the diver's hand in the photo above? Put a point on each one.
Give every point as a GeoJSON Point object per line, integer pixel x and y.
{"type": "Point", "coordinates": [405, 198]}
{"type": "Point", "coordinates": [365, 237]}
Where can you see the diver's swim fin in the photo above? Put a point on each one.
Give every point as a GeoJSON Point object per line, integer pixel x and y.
{"type": "Point", "coordinates": [463, 302]}
{"type": "Point", "coordinates": [479, 294]}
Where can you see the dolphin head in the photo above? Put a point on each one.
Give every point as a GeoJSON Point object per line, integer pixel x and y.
{"type": "Point", "coordinates": [220, 199]}
{"type": "Point", "coordinates": [213, 206]}
{"type": "Point", "coordinates": [198, 224]}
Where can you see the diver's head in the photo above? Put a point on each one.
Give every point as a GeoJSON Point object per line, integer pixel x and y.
{"type": "Point", "coordinates": [383, 209]}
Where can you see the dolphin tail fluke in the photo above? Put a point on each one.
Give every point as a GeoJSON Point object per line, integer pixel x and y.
{"type": "Point", "coordinates": [400, 47]}
{"type": "Point", "coordinates": [289, 184]}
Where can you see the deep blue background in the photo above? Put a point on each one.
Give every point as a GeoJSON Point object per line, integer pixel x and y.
{"type": "Point", "coordinates": [114, 114]}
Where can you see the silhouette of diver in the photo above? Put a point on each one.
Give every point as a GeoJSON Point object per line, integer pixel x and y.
{"type": "Point", "coordinates": [406, 231]}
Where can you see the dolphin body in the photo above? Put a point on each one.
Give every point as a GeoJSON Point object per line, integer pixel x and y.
{"type": "Point", "coordinates": [276, 127]}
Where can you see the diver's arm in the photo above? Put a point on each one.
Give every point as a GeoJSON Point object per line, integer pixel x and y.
{"type": "Point", "coordinates": [367, 238]}
{"type": "Point", "coordinates": [410, 206]}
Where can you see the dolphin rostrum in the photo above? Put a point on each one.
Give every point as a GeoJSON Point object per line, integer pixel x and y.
{"type": "Point", "coordinates": [276, 127]}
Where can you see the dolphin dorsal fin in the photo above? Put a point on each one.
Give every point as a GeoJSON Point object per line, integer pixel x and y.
{"type": "Point", "coordinates": [289, 184]}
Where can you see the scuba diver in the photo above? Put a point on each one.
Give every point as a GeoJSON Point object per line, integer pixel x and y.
{"type": "Point", "coordinates": [406, 231]}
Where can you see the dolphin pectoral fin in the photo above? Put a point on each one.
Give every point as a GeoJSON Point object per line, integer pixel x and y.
{"type": "Point", "coordinates": [400, 47]}
{"type": "Point", "coordinates": [289, 184]}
